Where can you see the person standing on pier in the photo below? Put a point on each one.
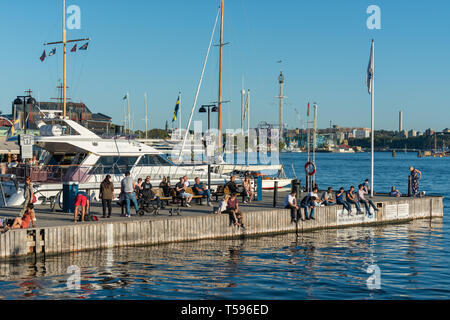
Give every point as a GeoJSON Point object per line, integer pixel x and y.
{"type": "Point", "coordinates": [107, 195]}
{"type": "Point", "coordinates": [128, 186]}
{"type": "Point", "coordinates": [416, 175]}
{"type": "Point", "coordinates": [28, 195]}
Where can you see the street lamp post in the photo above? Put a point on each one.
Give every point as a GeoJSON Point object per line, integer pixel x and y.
{"type": "Point", "coordinates": [203, 110]}
{"type": "Point", "coordinates": [28, 99]}
{"type": "Point", "coordinates": [23, 99]}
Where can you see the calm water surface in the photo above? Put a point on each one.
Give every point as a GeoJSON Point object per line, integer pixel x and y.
{"type": "Point", "coordinates": [413, 258]}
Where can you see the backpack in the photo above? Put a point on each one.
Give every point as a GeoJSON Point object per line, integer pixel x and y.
{"type": "Point", "coordinates": [89, 217]}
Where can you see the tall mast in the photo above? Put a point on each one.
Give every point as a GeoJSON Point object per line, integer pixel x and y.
{"type": "Point", "coordinates": [220, 75]}
{"type": "Point", "coordinates": [281, 97]}
{"type": "Point", "coordinates": [65, 59]}
{"type": "Point", "coordinates": [146, 117]}
{"type": "Point", "coordinates": [242, 105]}
{"type": "Point", "coordinates": [64, 42]}
{"type": "Point", "coordinates": [248, 125]}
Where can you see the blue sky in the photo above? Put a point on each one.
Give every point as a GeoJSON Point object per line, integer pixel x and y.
{"type": "Point", "coordinates": [158, 47]}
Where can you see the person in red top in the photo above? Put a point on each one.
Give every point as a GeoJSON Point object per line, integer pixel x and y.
{"type": "Point", "coordinates": [25, 220]}
{"type": "Point", "coordinates": [82, 200]}
{"type": "Point", "coordinates": [233, 209]}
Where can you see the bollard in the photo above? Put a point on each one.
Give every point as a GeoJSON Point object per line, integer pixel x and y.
{"type": "Point", "coordinates": [275, 193]}
{"type": "Point", "coordinates": [409, 186]}
{"type": "Point", "coordinates": [296, 187]}
{"type": "Point", "coordinates": [259, 189]}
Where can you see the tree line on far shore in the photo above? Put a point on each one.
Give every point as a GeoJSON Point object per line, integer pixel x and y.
{"type": "Point", "coordinates": [391, 140]}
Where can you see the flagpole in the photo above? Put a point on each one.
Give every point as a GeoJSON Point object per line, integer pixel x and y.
{"type": "Point", "coordinates": [124, 119]}
{"type": "Point", "coordinates": [129, 118]}
{"type": "Point", "coordinates": [65, 61]}
{"type": "Point", "coordinates": [146, 117]}
{"type": "Point", "coordinates": [373, 118]}
{"type": "Point", "coordinates": [248, 126]}
{"type": "Point", "coordinates": [179, 110]}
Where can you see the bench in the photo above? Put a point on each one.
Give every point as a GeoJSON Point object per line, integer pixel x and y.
{"type": "Point", "coordinates": [223, 190]}
{"type": "Point", "coordinates": [159, 193]}
{"type": "Point", "coordinates": [198, 197]}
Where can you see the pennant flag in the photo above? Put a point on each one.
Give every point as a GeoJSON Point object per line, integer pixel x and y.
{"type": "Point", "coordinates": [43, 56]}
{"type": "Point", "coordinates": [84, 46]}
{"type": "Point", "coordinates": [74, 49]}
{"type": "Point", "coordinates": [15, 126]}
{"type": "Point", "coordinates": [52, 52]}
{"type": "Point", "coordinates": [307, 112]}
{"type": "Point", "coordinates": [177, 107]}
{"type": "Point", "coordinates": [370, 70]}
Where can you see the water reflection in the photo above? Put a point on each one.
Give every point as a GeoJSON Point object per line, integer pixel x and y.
{"type": "Point", "coordinates": [328, 264]}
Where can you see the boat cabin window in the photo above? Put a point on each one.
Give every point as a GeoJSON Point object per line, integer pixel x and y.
{"type": "Point", "coordinates": [66, 159]}
{"type": "Point", "coordinates": [113, 165]}
{"type": "Point", "coordinates": [153, 160]}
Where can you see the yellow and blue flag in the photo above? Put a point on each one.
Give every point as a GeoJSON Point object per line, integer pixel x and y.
{"type": "Point", "coordinates": [16, 126]}
{"type": "Point", "coordinates": [177, 107]}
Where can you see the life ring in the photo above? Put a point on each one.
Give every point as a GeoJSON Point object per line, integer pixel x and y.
{"type": "Point", "coordinates": [310, 168]}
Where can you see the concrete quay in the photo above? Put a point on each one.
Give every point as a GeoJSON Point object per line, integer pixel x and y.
{"type": "Point", "coordinates": [56, 233]}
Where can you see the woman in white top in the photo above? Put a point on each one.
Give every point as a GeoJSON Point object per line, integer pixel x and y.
{"type": "Point", "coordinates": [222, 204]}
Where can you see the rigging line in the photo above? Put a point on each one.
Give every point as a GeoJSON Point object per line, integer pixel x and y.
{"type": "Point", "coordinates": [199, 86]}
{"type": "Point", "coordinates": [83, 60]}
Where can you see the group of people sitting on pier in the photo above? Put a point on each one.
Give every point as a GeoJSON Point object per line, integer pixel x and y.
{"type": "Point", "coordinates": [329, 198]}
{"type": "Point", "coordinates": [141, 193]}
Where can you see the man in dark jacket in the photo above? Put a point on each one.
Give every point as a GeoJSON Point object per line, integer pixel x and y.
{"type": "Point", "coordinates": [107, 195]}
{"type": "Point", "coordinates": [147, 192]}
{"type": "Point", "coordinates": [232, 187]}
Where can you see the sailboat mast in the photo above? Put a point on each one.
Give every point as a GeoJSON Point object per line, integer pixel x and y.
{"type": "Point", "coordinates": [220, 75]}
{"type": "Point", "coordinates": [146, 117]}
{"type": "Point", "coordinates": [242, 105]}
{"type": "Point", "coordinates": [65, 58]}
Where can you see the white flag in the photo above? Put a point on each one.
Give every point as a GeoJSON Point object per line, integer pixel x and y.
{"type": "Point", "coordinates": [370, 70]}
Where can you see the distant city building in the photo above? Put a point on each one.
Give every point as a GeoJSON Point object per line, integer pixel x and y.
{"type": "Point", "coordinates": [361, 133]}
{"type": "Point", "coordinates": [412, 133]}
{"type": "Point", "coordinates": [446, 130]}
{"type": "Point", "coordinates": [429, 132]}
{"type": "Point", "coordinates": [404, 134]}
